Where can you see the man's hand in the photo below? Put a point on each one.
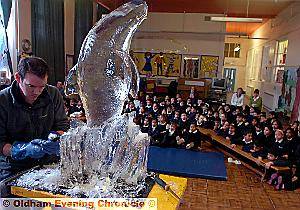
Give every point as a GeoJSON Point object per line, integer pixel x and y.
{"type": "Point", "coordinates": [35, 149]}
{"type": "Point", "coordinates": [50, 147]}
{"type": "Point", "coordinates": [23, 150]}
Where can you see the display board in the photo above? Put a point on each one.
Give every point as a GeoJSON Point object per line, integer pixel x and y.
{"type": "Point", "coordinates": [190, 67]}
{"type": "Point", "coordinates": [161, 64]}
{"type": "Point", "coordinates": [209, 66]}
{"type": "Point", "coordinates": [289, 100]}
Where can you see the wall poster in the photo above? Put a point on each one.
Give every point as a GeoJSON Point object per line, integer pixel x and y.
{"type": "Point", "coordinates": [209, 66]}
{"type": "Point", "coordinates": [157, 64]}
{"type": "Point", "coordinates": [190, 67]}
{"type": "Point", "coordinates": [289, 100]}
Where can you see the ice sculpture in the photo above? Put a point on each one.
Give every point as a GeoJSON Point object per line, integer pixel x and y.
{"type": "Point", "coordinates": [110, 145]}
{"type": "Point", "coordinates": [103, 74]}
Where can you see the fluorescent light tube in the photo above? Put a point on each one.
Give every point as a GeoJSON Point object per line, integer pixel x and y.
{"type": "Point", "coordinates": [236, 19]}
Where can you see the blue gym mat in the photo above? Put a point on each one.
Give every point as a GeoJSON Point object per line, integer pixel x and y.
{"type": "Point", "coordinates": [186, 163]}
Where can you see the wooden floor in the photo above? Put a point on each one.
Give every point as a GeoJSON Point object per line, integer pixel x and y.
{"type": "Point", "coordinates": [242, 190]}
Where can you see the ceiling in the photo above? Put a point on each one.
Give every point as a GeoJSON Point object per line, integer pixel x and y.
{"type": "Point", "coordinates": [236, 8]}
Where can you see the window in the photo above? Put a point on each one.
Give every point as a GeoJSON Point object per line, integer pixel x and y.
{"type": "Point", "coordinates": [281, 52]}
{"type": "Point", "coordinates": [232, 50]}
{"type": "Point", "coordinates": [281, 59]}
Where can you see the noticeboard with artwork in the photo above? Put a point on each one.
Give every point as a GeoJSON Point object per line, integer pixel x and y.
{"type": "Point", "coordinates": [190, 67]}
{"type": "Point", "coordinates": [173, 63]}
{"type": "Point", "coordinates": [161, 64]}
{"type": "Point", "coordinates": [209, 66]}
{"type": "Point", "coordinates": [289, 100]}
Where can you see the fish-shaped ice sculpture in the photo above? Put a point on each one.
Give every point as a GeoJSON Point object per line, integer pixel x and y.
{"type": "Point", "coordinates": [103, 74]}
{"type": "Point", "coordinates": [110, 146]}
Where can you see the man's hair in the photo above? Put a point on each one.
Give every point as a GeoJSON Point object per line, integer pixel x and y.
{"type": "Point", "coordinates": [34, 65]}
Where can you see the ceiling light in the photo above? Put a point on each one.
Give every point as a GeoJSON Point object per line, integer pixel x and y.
{"type": "Point", "coordinates": [235, 19]}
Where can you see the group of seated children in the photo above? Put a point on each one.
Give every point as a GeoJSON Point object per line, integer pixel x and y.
{"type": "Point", "coordinates": [169, 122]}
{"type": "Point", "coordinates": [173, 122]}
{"type": "Point", "coordinates": [74, 108]}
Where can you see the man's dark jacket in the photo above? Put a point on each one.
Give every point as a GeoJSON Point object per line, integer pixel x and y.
{"type": "Point", "coordinates": [20, 121]}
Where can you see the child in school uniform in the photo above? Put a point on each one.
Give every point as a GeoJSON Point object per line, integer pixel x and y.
{"type": "Point", "coordinates": [290, 181]}
{"type": "Point", "coordinates": [223, 129]}
{"type": "Point", "coordinates": [268, 139]}
{"type": "Point", "coordinates": [193, 138]}
{"type": "Point", "coordinates": [184, 124]}
{"type": "Point", "coordinates": [171, 136]}
{"type": "Point", "coordinates": [146, 126]}
{"type": "Point", "coordinates": [155, 111]}
{"type": "Point", "coordinates": [248, 143]}
{"type": "Point", "coordinates": [154, 133]}
{"type": "Point", "coordinates": [258, 136]}
{"type": "Point", "coordinates": [217, 126]}
{"type": "Point", "coordinates": [240, 125]}
{"type": "Point", "coordinates": [280, 149]}
{"type": "Point", "coordinates": [232, 136]}
{"type": "Point", "coordinates": [201, 120]}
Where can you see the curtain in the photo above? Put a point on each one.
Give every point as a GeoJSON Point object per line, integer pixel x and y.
{"type": "Point", "coordinates": [47, 18]}
{"type": "Point", "coordinates": [6, 7]}
{"type": "Point", "coordinates": [83, 23]}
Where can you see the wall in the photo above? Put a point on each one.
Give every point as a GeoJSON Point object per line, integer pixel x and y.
{"type": "Point", "coordinates": [181, 33]}
{"type": "Point", "coordinates": [19, 28]}
{"type": "Point", "coordinates": [24, 21]}
{"type": "Point", "coordinates": [12, 34]}
{"type": "Point", "coordinates": [285, 26]}
{"type": "Point", "coordinates": [238, 63]}
{"type": "Point", "coordinates": [69, 16]}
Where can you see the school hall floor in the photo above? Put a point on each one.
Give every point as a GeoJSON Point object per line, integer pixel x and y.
{"type": "Point", "coordinates": [242, 190]}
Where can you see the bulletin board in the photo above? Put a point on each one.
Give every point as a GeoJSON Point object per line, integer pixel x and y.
{"type": "Point", "coordinates": [173, 63]}
{"type": "Point", "coordinates": [209, 66]}
{"type": "Point", "coordinates": [161, 64]}
{"type": "Point", "coordinates": [145, 62]}
{"type": "Point", "coordinates": [289, 100]}
{"type": "Point", "coordinates": [190, 67]}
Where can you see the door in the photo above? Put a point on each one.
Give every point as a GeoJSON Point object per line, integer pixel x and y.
{"type": "Point", "coordinates": [229, 75]}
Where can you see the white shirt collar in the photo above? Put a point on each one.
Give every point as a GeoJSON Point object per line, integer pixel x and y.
{"type": "Point", "coordinates": [249, 142]}
{"type": "Point", "coordinates": [193, 131]}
